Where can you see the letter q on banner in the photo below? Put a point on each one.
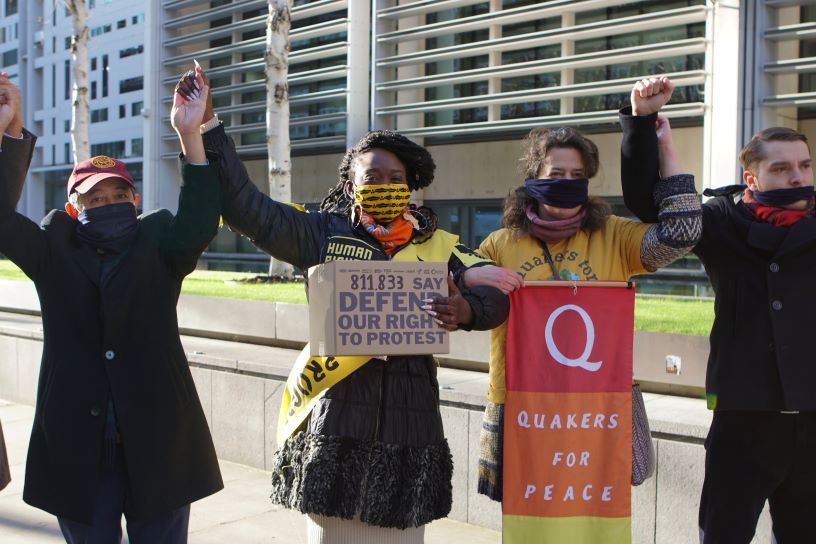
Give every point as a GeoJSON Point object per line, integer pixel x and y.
{"type": "Point", "coordinates": [583, 360]}
{"type": "Point", "coordinates": [571, 339]}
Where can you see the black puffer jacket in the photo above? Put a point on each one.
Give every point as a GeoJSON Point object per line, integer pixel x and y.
{"type": "Point", "coordinates": [374, 445]}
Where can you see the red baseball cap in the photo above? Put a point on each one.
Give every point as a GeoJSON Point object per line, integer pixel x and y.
{"type": "Point", "coordinates": [90, 172]}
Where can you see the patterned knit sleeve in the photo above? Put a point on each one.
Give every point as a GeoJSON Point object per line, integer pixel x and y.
{"type": "Point", "coordinates": [679, 223]}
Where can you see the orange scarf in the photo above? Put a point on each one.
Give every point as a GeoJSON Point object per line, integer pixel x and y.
{"type": "Point", "coordinates": [392, 236]}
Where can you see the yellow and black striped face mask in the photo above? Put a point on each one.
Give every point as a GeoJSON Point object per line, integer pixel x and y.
{"type": "Point", "coordinates": [382, 202]}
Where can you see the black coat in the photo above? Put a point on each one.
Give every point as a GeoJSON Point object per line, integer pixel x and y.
{"type": "Point", "coordinates": [120, 338]}
{"type": "Point", "coordinates": [762, 355]}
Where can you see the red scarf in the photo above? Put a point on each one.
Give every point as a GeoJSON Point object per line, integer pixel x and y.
{"type": "Point", "coordinates": [779, 217]}
{"type": "Point", "coordinates": [392, 236]}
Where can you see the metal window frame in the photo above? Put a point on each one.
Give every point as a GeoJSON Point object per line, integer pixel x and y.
{"type": "Point", "coordinates": [683, 47]}
{"type": "Point", "coordinates": [692, 109]}
{"type": "Point", "coordinates": [781, 67]}
{"type": "Point", "coordinates": [595, 88]}
{"type": "Point", "coordinates": [623, 25]}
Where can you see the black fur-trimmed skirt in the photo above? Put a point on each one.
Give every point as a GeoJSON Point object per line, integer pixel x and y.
{"type": "Point", "coordinates": [373, 448]}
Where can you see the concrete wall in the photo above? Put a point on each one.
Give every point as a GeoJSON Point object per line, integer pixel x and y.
{"type": "Point", "coordinates": [240, 393]}
{"type": "Point", "coordinates": [281, 324]}
{"type": "Point", "coordinates": [312, 176]}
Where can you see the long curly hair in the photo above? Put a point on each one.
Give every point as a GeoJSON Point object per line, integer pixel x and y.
{"type": "Point", "coordinates": [419, 168]}
{"type": "Point", "coordinates": [536, 145]}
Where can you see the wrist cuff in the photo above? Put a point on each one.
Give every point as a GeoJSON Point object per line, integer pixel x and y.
{"type": "Point", "coordinates": [209, 125]}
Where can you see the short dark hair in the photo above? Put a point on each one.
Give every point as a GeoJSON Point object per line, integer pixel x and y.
{"type": "Point", "coordinates": [540, 141]}
{"type": "Point", "coordinates": [419, 170]}
{"type": "Point", "coordinates": [754, 151]}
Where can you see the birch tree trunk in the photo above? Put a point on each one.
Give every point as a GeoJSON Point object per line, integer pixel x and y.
{"type": "Point", "coordinates": [79, 70]}
{"type": "Point", "coordinates": [278, 23]}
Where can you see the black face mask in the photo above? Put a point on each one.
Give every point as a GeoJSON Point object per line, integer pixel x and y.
{"type": "Point", "coordinates": [110, 228]}
{"type": "Point", "coordinates": [783, 197]}
{"type": "Point", "coordinates": [561, 193]}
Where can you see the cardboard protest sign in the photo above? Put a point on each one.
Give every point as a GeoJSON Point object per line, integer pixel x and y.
{"type": "Point", "coordinates": [568, 414]}
{"type": "Point", "coordinates": [375, 308]}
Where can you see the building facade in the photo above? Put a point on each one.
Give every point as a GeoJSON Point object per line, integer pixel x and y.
{"type": "Point", "coordinates": [41, 65]}
{"type": "Point", "coordinates": [468, 78]}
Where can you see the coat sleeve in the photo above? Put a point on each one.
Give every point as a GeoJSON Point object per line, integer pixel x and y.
{"type": "Point", "coordinates": [489, 305]}
{"type": "Point", "coordinates": [671, 204]}
{"type": "Point", "coordinates": [639, 164]}
{"type": "Point", "coordinates": [21, 240]}
{"type": "Point", "coordinates": [189, 233]}
{"type": "Point", "coordinates": [679, 225]}
{"type": "Point", "coordinates": [287, 233]}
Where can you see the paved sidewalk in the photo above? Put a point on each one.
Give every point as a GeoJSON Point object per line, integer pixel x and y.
{"type": "Point", "coordinates": [240, 514]}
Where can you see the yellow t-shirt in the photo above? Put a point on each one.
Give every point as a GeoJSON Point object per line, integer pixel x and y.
{"type": "Point", "coordinates": [611, 253]}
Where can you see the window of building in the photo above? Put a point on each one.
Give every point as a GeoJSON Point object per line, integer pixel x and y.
{"type": "Point", "coordinates": [67, 79]}
{"type": "Point", "coordinates": [130, 51]}
{"type": "Point", "coordinates": [67, 125]}
{"type": "Point", "coordinates": [253, 118]}
{"type": "Point", "coordinates": [219, 42]}
{"type": "Point", "coordinates": [67, 158]}
{"type": "Point", "coordinates": [105, 71]}
{"type": "Point", "coordinates": [122, 111]}
{"type": "Point", "coordinates": [10, 58]}
{"type": "Point", "coordinates": [254, 96]}
{"type": "Point", "coordinates": [221, 100]}
{"type": "Point", "coordinates": [215, 62]}
{"type": "Point", "coordinates": [55, 187]}
{"type": "Point", "coordinates": [131, 84]}
{"type": "Point", "coordinates": [122, 23]}
{"type": "Point", "coordinates": [253, 138]}
{"type": "Point", "coordinates": [252, 34]}
{"type": "Point", "coordinates": [462, 90]}
{"type": "Point", "coordinates": [11, 7]}
{"type": "Point", "coordinates": [93, 90]}
{"type": "Point", "coordinates": [68, 43]}
{"type": "Point", "coordinates": [99, 30]}
{"type": "Point", "coordinates": [253, 75]}
{"type": "Point", "coordinates": [93, 64]}
{"type": "Point", "coordinates": [111, 149]}
{"type": "Point", "coordinates": [136, 19]}
{"type": "Point", "coordinates": [136, 108]}
{"type": "Point", "coordinates": [472, 221]}
{"type": "Point", "coordinates": [99, 116]}
{"type": "Point", "coordinates": [136, 147]}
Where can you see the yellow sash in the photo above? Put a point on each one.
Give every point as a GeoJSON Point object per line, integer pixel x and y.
{"type": "Point", "coordinates": [311, 377]}
{"type": "Point", "coordinates": [308, 381]}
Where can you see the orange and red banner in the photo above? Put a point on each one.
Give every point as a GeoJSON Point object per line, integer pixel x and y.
{"type": "Point", "coordinates": [568, 414]}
